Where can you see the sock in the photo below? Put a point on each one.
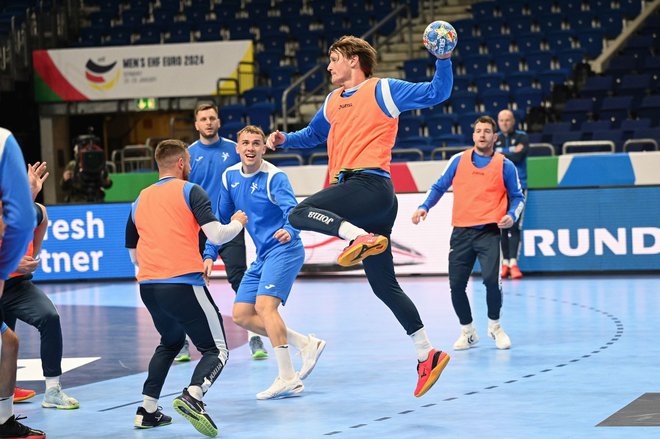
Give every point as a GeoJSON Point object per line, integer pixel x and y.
{"type": "Point", "coordinates": [150, 404]}
{"type": "Point", "coordinates": [284, 363]}
{"type": "Point", "coordinates": [252, 334]}
{"type": "Point", "coordinates": [52, 382]}
{"type": "Point", "coordinates": [492, 323]}
{"type": "Point", "coordinates": [349, 232]}
{"type": "Point", "coordinates": [422, 344]}
{"type": "Point", "coordinates": [296, 339]}
{"type": "Point", "coordinates": [513, 262]}
{"type": "Point", "coordinates": [468, 328]}
{"type": "Point", "coordinates": [6, 408]}
{"type": "Point", "coordinates": [505, 262]}
{"type": "Point", "coordinates": [196, 392]}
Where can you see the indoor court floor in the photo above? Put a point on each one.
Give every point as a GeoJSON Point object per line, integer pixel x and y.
{"type": "Point", "coordinates": [585, 363]}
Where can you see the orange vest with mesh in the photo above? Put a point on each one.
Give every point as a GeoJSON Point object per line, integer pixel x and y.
{"type": "Point", "coordinates": [479, 193]}
{"type": "Point", "coordinates": [361, 136]}
{"type": "Point", "coordinates": [29, 251]}
{"type": "Point", "coordinates": [168, 233]}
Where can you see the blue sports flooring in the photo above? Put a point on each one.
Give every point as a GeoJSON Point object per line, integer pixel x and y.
{"type": "Point", "coordinates": [583, 349]}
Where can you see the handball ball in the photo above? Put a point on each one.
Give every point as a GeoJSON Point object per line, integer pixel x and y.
{"type": "Point", "coordinates": [440, 38]}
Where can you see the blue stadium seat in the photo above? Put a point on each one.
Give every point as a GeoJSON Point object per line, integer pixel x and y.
{"type": "Point", "coordinates": [528, 42]}
{"type": "Point", "coordinates": [229, 130]}
{"type": "Point", "coordinates": [148, 35]}
{"type": "Point", "coordinates": [591, 42]}
{"type": "Point", "coordinates": [464, 28]}
{"type": "Point", "coordinates": [491, 28]}
{"type": "Point", "coordinates": [577, 111]}
{"type": "Point", "coordinates": [466, 121]}
{"type": "Point", "coordinates": [410, 126]}
{"type": "Point", "coordinates": [416, 70]}
{"type": "Point", "coordinates": [179, 34]}
{"type": "Point", "coordinates": [440, 124]}
{"type": "Point", "coordinates": [629, 126]}
{"type": "Point", "coordinates": [549, 129]}
{"type": "Point", "coordinates": [494, 100]}
{"type": "Point", "coordinates": [476, 64]}
{"type": "Point", "coordinates": [463, 101]}
{"type": "Point", "coordinates": [527, 97]}
{"type": "Point", "coordinates": [551, 78]}
{"type": "Point", "coordinates": [589, 128]}
{"type": "Point", "coordinates": [261, 114]}
{"type": "Point", "coordinates": [257, 94]}
{"type": "Point", "coordinates": [615, 136]}
{"type": "Point", "coordinates": [611, 23]}
{"type": "Point", "coordinates": [484, 10]}
{"type": "Point", "coordinates": [275, 40]}
{"type": "Point", "coordinates": [509, 63]}
{"type": "Point", "coordinates": [650, 107]}
{"type": "Point", "coordinates": [281, 76]}
{"type": "Point", "coordinates": [569, 58]}
{"type": "Point", "coordinates": [616, 108]}
{"type": "Point", "coordinates": [560, 40]}
{"type": "Point", "coordinates": [561, 137]}
{"type": "Point", "coordinates": [520, 80]}
{"type": "Point", "coordinates": [636, 85]}
{"type": "Point", "coordinates": [232, 113]}
{"type": "Point", "coordinates": [630, 8]}
{"type": "Point", "coordinates": [268, 60]}
{"type": "Point", "coordinates": [598, 87]}
{"type": "Point", "coordinates": [581, 21]}
{"type": "Point", "coordinates": [519, 25]}
{"type": "Point", "coordinates": [539, 61]}
{"type": "Point", "coordinates": [498, 46]}
{"type": "Point", "coordinates": [468, 47]}
{"type": "Point", "coordinates": [549, 23]}
{"type": "Point", "coordinates": [490, 81]}
{"type": "Point", "coordinates": [209, 31]}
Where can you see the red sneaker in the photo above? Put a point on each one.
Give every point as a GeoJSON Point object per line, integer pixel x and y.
{"type": "Point", "coordinates": [361, 247]}
{"type": "Point", "coordinates": [23, 394]}
{"type": "Point", "coordinates": [505, 271]}
{"type": "Point", "coordinates": [515, 272]}
{"type": "Point", "coordinates": [429, 371]}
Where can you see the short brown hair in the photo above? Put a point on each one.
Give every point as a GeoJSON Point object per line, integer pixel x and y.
{"type": "Point", "coordinates": [350, 46]}
{"type": "Point", "coordinates": [252, 129]}
{"type": "Point", "coordinates": [486, 119]}
{"type": "Point", "coordinates": [205, 106]}
{"type": "Point", "coordinates": [168, 151]}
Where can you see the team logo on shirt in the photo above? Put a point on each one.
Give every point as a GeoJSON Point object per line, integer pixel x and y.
{"type": "Point", "coordinates": [268, 287]}
{"type": "Point", "coordinates": [199, 159]}
{"type": "Point", "coordinates": [254, 187]}
{"type": "Point", "coordinates": [235, 184]}
{"type": "Point", "coordinates": [225, 156]}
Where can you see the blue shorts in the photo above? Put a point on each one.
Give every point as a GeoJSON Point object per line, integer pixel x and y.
{"type": "Point", "coordinates": [3, 328]}
{"type": "Point", "coordinates": [272, 276]}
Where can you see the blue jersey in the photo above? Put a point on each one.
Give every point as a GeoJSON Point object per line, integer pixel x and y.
{"type": "Point", "coordinates": [511, 182]}
{"type": "Point", "coordinates": [506, 143]}
{"type": "Point", "coordinates": [18, 209]}
{"type": "Point", "coordinates": [266, 197]}
{"type": "Point", "coordinates": [208, 162]}
{"type": "Point", "coordinates": [394, 96]}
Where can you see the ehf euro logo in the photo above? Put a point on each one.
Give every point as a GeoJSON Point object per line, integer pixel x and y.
{"type": "Point", "coordinates": [101, 76]}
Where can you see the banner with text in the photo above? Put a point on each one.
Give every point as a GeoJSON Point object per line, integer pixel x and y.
{"type": "Point", "coordinates": [127, 72]}
{"type": "Point", "coordinates": [592, 230]}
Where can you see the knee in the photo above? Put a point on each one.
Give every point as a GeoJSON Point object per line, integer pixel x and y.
{"type": "Point", "coordinates": [10, 343]}
{"type": "Point", "coordinates": [50, 319]}
{"type": "Point", "coordinates": [240, 318]}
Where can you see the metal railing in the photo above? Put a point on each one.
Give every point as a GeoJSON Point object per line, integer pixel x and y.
{"type": "Point", "coordinates": [542, 147]}
{"type": "Point", "coordinates": [651, 142]}
{"type": "Point", "coordinates": [607, 146]}
{"type": "Point", "coordinates": [298, 82]}
{"type": "Point", "coordinates": [442, 151]}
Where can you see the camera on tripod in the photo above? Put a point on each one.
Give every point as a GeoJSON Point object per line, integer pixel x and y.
{"type": "Point", "coordinates": [88, 173]}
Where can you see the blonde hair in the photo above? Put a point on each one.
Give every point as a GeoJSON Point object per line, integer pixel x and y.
{"type": "Point", "coordinates": [350, 46]}
{"type": "Point", "coordinates": [252, 129]}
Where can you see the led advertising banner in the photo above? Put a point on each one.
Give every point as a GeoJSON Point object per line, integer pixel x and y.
{"type": "Point", "coordinates": [128, 72]}
{"type": "Point", "coordinates": [592, 230]}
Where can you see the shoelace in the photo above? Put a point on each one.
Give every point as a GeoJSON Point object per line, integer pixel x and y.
{"type": "Point", "coordinates": [22, 429]}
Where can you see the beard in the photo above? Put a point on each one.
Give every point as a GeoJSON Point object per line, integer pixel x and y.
{"type": "Point", "coordinates": [208, 136]}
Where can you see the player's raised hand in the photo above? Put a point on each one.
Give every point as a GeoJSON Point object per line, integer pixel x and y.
{"type": "Point", "coordinates": [275, 139]}
{"type": "Point", "coordinates": [37, 174]}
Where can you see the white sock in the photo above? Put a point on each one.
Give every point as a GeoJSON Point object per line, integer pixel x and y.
{"type": "Point", "coordinates": [469, 327]}
{"type": "Point", "coordinates": [252, 334]}
{"type": "Point", "coordinates": [196, 392]}
{"type": "Point", "coordinates": [513, 262]}
{"type": "Point", "coordinates": [52, 382]}
{"type": "Point", "coordinates": [505, 262]}
{"type": "Point", "coordinates": [349, 232]}
{"type": "Point", "coordinates": [296, 339]}
{"type": "Point", "coordinates": [6, 408]}
{"type": "Point", "coordinates": [284, 363]}
{"type": "Point", "coordinates": [492, 323]}
{"type": "Point", "coordinates": [422, 344]}
{"type": "Point", "coordinates": [150, 404]}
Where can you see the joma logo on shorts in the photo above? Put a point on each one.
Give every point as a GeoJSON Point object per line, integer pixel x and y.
{"type": "Point", "coordinates": [320, 217]}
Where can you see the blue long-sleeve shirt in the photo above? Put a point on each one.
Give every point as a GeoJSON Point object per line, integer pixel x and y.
{"type": "Point", "coordinates": [208, 162]}
{"type": "Point", "coordinates": [266, 197]}
{"type": "Point", "coordinates": [511, 182]}
{"type": "Point", "coordinates": [18, 210]}
{"type": "Point", "coordinates": [396, 97]}
{"type": "Point", "coordinates": [506, 143]}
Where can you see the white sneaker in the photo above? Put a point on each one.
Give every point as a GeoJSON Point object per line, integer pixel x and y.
{"type": "Point", "coordinates": [282, 389]}
{"type": "Point", "coordinates": [310, 355]}
{"type": "Point", "coordinates": [502, 341]}
{"type": "Point", "coordinates": [467, 339]}
{"type": "Point", "coordinates": [55, 397]}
